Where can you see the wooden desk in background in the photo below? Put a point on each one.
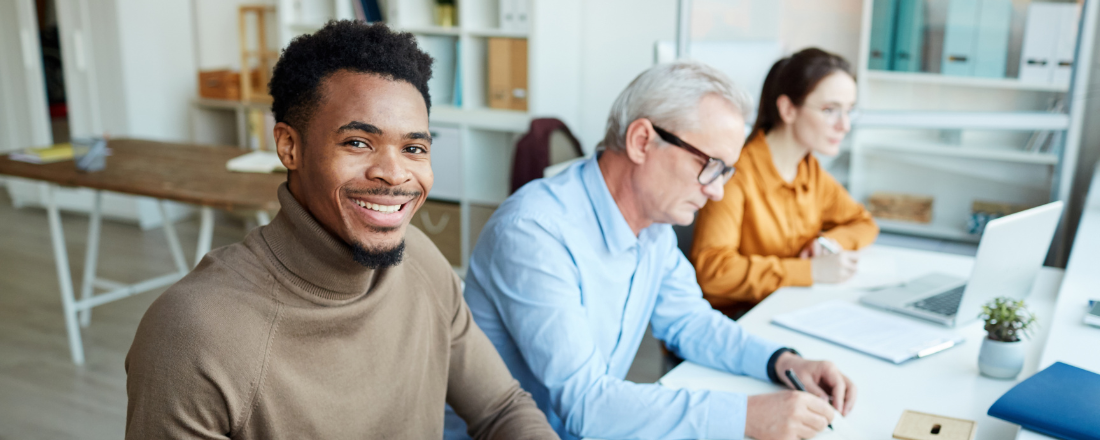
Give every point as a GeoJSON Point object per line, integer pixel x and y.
{"type": "Point", "coordinates": [185, 173]}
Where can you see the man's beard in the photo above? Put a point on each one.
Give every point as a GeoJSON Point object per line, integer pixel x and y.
{"type": "Point", "coordinates": [375, 258]}
{"type": "Point", "coordinates": [378, 258]}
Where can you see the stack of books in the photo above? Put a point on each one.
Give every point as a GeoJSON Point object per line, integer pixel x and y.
{"type": "Point", "coordinates": [41, 155]}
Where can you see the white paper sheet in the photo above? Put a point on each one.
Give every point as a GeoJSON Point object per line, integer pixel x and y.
{"type": "Point", "coordinates": [879, 334]}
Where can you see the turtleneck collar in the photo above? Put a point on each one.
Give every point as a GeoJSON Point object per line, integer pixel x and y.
{"type": "Point", "coordinates": [318, 264]}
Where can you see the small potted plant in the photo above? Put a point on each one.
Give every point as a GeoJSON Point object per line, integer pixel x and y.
{"type": "Point", "coordinates": [1007, 322]}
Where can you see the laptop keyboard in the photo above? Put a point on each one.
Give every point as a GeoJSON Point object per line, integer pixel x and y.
{"type": "Point", "coordinates": [946, 303]}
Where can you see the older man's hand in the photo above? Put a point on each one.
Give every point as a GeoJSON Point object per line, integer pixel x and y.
{"type": "Point", "coordinates": [821, 378]}
{"type": "Point", "coordinates": [786, 415]}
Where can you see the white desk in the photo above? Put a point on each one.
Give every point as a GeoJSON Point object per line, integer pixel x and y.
{"type": "Point", "coordinates": [1071, 341]}
{"type": "Point", "coordinates": [946, 383]}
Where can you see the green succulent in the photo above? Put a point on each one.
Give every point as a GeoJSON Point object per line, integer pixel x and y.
{"type": "Point", "coordinates": [1007, 320]}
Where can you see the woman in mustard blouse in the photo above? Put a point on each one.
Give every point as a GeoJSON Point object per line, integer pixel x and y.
{"type": "Point", "coordinates": [764, 233]}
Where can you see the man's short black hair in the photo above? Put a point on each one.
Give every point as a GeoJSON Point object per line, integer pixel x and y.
{"type": "Point", "coordinates": [343, 45]}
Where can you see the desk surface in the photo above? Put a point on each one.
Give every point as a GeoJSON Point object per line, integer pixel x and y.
{"type": "Point", "coordinates": [1071, 341]}
{"type": "Point", "coordinates": [946, 383]}
{"type": "Point", "coordinates": [186, 173]}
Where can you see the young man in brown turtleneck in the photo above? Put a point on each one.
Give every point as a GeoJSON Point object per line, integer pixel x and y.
{"type": "Point", "coordinates": [337, 320]}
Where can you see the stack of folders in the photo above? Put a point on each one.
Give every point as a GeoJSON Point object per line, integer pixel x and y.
{"type": "Point", "coordinates": [879, 334]}
{"type": "Point", "coordinates": [515, 15]}
{"type": "Point", "coordinates": [1050, 40]}
{"type": "Point", "coordinates": [1060, 401]}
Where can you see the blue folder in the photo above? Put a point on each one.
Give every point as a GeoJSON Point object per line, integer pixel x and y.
{"type": "Point", "coordinates": [1061, 401]}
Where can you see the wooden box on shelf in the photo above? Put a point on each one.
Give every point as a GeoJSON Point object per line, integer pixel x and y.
{"type": "Point", "coordinates": [508, 73]}
{"type": "Point", "coordinates": [904, 207]}
{"type": "Point", "coordinates": [226, 84]}
{"type": "Point", "coordinates": [220, 84]}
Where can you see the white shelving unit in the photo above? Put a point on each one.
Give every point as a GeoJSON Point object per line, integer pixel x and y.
{"type": "Point", "coordinates": [479, 171]}
{"type": "Point", "coordinates": [960, 139]}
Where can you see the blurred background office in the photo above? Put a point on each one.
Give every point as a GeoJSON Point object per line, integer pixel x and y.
{"type": "Point", "coordinates": [967, 110]}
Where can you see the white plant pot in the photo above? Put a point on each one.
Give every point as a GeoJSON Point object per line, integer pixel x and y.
{"type": "Point", "coordinates": [1001, 360]}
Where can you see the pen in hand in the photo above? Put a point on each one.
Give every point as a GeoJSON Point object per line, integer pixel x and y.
{"type": "Point", "coordinates": [798, 385]}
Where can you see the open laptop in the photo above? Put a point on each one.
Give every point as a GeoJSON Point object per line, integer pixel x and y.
{"type": "Point", "coordinates": [1010, 255]}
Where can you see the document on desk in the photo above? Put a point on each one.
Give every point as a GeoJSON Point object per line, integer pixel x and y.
{"type": "Point", "coordinates": [879, 334]}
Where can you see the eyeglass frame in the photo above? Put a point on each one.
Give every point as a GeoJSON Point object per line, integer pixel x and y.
{"type": "Point", "coordinates": [674, 140]}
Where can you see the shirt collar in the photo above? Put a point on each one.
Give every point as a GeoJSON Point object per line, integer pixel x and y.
{"type": "Point", "coordinates": [617, 234]}
{"type": "Point", "coordinates": [758, 154]}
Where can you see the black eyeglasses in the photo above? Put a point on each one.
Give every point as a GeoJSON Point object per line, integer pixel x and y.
{"type": "Point", "coordinates": [714, 167]}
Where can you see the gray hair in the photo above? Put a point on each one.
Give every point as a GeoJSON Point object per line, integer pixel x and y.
{"type": "Point", "coordinates": [668, 95]}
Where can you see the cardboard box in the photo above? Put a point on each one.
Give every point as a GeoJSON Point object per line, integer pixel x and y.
{"type": "Point", "coordinates": [904, 207]}
{"type": "Point", "coordinates": [441, 222]}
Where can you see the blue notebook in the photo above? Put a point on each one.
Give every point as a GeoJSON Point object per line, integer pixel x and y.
{"type": "Point", "coordinates": [1061, 401]}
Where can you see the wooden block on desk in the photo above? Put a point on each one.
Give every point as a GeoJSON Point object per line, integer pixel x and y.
{"type": "Point", "coordinates": [921, 426]}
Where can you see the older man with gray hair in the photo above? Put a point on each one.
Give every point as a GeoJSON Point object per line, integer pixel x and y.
{"type": "Point", "coordinates": [571, 269]}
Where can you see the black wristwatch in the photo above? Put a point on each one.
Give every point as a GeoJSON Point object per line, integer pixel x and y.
{"type": "Point", "coordinates": [772, 374]}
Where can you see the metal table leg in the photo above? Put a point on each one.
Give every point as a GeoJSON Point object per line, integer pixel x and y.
{"type": "Point", "coordinates": [91, 256]}
{"type": "Point", "coordinates": [64, 277]}
{"type": "Point", "coordinates": [206, 233]}
{"type": "Point", "coordinates": [173, 239]}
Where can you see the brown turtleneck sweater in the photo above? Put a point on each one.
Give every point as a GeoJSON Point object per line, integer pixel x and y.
{"type": "Point", "coordinates": [285, 336]}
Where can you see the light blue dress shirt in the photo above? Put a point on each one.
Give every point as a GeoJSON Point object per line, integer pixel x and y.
{"type": "Point", "coordinates": [564, 290]}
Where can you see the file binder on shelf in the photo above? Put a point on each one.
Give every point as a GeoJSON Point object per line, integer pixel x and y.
{"type": "Point", "coordinates": [882, 35]}
{"type": "Point", "coordinates": [976, 38]}
{"type": "Point", "coordinates": [1050, 40]}
{"type": "Point", "coordinates": [991, 40]}
{"type": "Point", "coordinates": [909, 37]}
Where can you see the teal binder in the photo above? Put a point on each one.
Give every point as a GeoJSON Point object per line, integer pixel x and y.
{"type": "Point", "coordinates": [909, 37]}
{"type": "Point", "coordinates": [882, 34]}
{"type": "Point", "coordinates": [975, 40]}
{"type": "Point", "coordinates": [959, 37]}
{"type": "Point", "coordinates": [1062, 401]}
{"type": "Point", "coordinates": [991, 40]}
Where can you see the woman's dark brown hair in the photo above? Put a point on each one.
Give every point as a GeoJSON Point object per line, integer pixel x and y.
{"type": "Point", "coordinates": [795, 76]}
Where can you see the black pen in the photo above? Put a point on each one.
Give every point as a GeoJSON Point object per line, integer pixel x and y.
{"type": "Point", "coordinates": [798, 385]}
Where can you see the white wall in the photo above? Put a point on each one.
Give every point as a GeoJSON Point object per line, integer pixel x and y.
{"type": "Point", "coordinates": [619, 36]}
{"type": "Point", "coordinates": [617, 40]}
{"type": "Point", "coordinates": [158, 67]}
{"type": "Point", "coordinates": [217, 37]}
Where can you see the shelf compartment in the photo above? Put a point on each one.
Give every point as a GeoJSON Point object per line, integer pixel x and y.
{"type": "Point", "coordinates": [489, 32]}
{"type": "Point", "coordinates": [930, 230]}
{"type": "Point", "coordinates": [961, 81]}
{"type": "Point", "coordinates": [431, 30]}
{"type": "Point", "coordinates": [1012, 121]}
{"type": "Point", "coordinates": [959, 151]}
{"type": "Point", "coordinates": [482, 118]}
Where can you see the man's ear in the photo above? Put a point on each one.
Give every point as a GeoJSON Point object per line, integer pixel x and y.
{"type": "Point", "coordinates": [787, 110]}
{"type": "Point", "coordinates": [639, 140]}
{"type": "Point", "coordinates": [288, 145]}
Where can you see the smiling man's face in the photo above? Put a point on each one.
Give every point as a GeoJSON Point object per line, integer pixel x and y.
{"type": "Point", "coordinates": [364, 166]}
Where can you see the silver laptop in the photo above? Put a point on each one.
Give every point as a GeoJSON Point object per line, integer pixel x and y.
{"type": "Point", "coordinates": [1010, 255]}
